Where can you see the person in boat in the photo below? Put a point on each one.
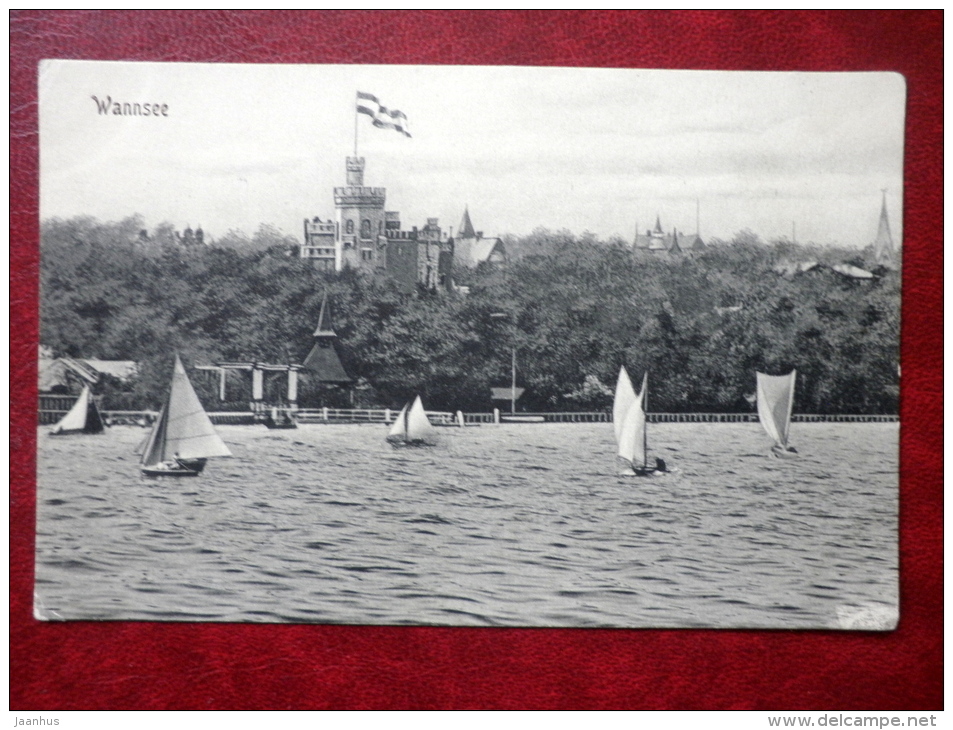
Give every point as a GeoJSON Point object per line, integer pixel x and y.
{"type": "Point", "coordinates": [660, 464]}
{"type": "Point", "coordinates": [783, 450]}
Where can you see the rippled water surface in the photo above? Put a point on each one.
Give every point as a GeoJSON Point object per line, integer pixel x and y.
{"type": "Point", "coordinates": [511, 525]}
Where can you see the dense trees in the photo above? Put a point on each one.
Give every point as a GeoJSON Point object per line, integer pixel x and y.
{"type": "Point", "coordinates": [573, 307]}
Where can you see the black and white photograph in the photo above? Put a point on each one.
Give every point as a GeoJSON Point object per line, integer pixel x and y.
{"type": "Point", "coordinates": [469, 346]}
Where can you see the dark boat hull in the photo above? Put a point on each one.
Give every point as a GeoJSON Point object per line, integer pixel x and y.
{"type": "Point", "coordinates": [178, 468]}
{"type": "Point", "coordinates": [399, 443]}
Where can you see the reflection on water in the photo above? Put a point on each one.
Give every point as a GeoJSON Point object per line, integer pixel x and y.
{"type": "Point", "coordinates": [511, 525]}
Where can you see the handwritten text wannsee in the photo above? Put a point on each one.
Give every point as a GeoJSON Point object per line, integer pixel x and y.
{"type": "Point", "coordinates": [127, 109]}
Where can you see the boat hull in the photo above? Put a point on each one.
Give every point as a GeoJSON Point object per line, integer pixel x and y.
{"type": "Point", "coordinates": [400, 443]}
{"type": "Point", "coordinates": [644, 473]}
{"type": "Point", "coordinates": [177, 468]}
{"type": "Point", "coordinates": [777, 452]}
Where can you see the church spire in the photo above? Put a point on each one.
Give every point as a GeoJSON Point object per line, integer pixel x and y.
{"type": "Point", "coordinates": [466, 227]}
{"type": "Point", "coordinates": [324, 328]}
{"type": "Point", "coordinates": [883, 244]}
{"type": "Point", "coordinates": [658, 224]}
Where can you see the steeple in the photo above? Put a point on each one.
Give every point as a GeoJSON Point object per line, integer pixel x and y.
{"type": "Point", "coordinates": [883, 244]}
{"type": "Point", "coordinates": [324, 328]}
{"type": "Point", "coordinates": [323, 361]}
{"type": "Point", "coordinates": [658, 224]}
{"type": "Point", "coordinates": [466, 227]}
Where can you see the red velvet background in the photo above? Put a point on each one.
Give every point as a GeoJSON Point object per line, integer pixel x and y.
{"type": "Point", "coordinates": [229, 666]}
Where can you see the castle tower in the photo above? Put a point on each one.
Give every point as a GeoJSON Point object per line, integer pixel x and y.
{"type": "Point", "coordinates": [359, 219]}
{"type": "Point", "coordinates": [883, 244]}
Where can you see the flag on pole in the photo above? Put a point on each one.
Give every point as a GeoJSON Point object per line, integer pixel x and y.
{"type": "Point", "coordinates": [380, 115]}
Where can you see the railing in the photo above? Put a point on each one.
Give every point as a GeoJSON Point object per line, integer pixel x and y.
{"type": "Point", "coordinates": [366, 415]}
{"type": "Point", "coordinates": [48, 416]}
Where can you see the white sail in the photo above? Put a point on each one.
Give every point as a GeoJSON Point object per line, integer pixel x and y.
{"type": "Point", "coordinates": [183, 429]}
{"type": "Point", "coordinates": [624, 398]}
{"type": "Point", "coordinates": [82, 417]}
{"type": "Point", "coordinates": [775, 401]}
{"type": "Point", "coordinates": [399, 428]}
{"type": "Point", "coordinates": [632, 435]}
{"type": "Point", "coordinates": [419, 427]}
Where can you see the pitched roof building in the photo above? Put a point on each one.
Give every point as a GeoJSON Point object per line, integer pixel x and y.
{"type": "Point", "coordinates": [655, 240]}
{"type": "Point", "coordinates": [470, 248]}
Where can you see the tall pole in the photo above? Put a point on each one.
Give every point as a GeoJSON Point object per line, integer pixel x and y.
{"type": "Point", "coordinates": [513, 385]}
{"type": "Point", "coordinates": [355, 128]}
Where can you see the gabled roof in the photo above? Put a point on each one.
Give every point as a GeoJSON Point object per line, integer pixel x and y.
{"type": "Point", "coordinates": [122, 369]}
{"type": "Point", "coordinates": [483, 248]}
{"type": "Point", "coordinates": [54, 372]}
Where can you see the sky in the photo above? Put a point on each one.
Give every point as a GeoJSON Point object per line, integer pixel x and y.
{"type": "Point", "coordinates": [599, 150]}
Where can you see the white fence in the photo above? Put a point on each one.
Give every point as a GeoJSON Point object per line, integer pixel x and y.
{"type": "Point", "coordinates": [445, 418]}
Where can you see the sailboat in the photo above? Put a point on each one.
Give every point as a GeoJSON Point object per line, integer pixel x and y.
{"type": "Point", "coordinates": [183, 437]}
{"type": "Point", "coordinates": [775, 401]}
{"type": "Point", "coordinates": [628, 420]}
{"type": "Point", "coordinates": [83, 417]}
{"type": "Point", "coordinates": [412, 427]}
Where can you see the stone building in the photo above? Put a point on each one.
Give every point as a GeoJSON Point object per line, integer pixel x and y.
{"type": "Point", "coordinates": [364, 235]}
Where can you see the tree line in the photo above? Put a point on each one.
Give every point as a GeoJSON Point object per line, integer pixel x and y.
{"type": "Point", "coordinates": [573, 307]}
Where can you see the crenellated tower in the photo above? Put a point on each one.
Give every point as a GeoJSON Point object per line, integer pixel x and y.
{"type": "Point", "coordinates": [359, 219]}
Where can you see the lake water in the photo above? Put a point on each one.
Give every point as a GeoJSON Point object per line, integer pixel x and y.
{"type": "Point", "coordinates": [509, 525]}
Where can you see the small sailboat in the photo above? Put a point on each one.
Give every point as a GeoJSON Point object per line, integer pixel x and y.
{"type": "Point", "coordinates": [628, 420]}
{"type": "Point", "coordinates": [83, 417]}
{"type": "Point", "coordinates": [183, 437]}
{"type": "Point", "coordinates": [412, 427]}
{"type": "Point", "coordinates": [775, 401]}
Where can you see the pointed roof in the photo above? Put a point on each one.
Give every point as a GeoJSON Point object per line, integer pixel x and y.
{"type": "Point", "coordinates": [658, 224]}
{"type": "Point", "coordinates": [466, 227]}
{"type": "Point", "coordinates": [674, 248]}
{"type": "Point", "coordinates": [324, 362]}
{"type": "Point", "coordinates": [324, 328]}
{"type": "Point", "coordinates": [883, 244]}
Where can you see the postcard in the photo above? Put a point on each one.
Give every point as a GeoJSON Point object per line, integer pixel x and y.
{"type": "Point", "coordinates": [469, 346]}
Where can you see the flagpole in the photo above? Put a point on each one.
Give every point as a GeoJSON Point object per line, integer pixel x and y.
{"type": "Point", "coordinates": [355, 128]}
